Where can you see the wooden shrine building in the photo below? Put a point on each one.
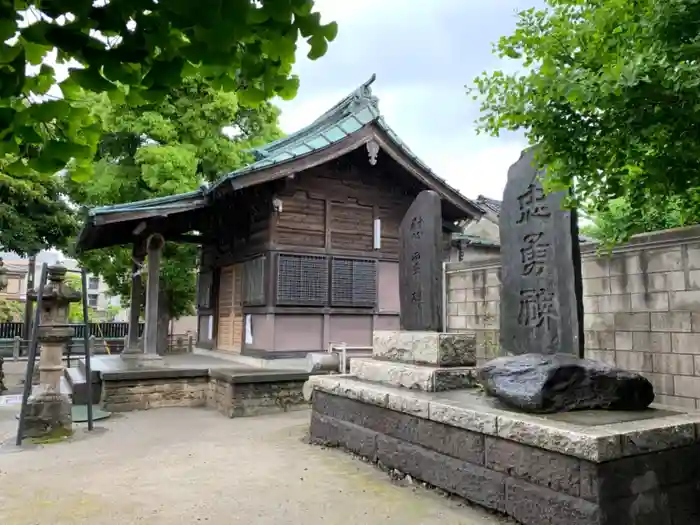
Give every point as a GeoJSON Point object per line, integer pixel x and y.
{"type": "Point", "coordinates": [300, 248]}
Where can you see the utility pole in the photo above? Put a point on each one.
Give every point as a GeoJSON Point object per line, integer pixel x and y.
{"type": "Point", "coordinates": [26, 329]}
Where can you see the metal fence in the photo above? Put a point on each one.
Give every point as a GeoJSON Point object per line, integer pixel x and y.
{"type": "Point", "coordinates": [102, 330]}
{"type": "Point", "coordinates": [18, 348]}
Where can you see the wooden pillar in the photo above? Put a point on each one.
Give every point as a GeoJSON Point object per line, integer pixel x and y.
{"type": "Point", "coordinates": [154, 247]}
{"type": "Point", "coordinates": [137, 255]}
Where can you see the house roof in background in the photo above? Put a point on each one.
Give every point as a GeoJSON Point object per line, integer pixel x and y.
{"type": "Point", "coordinates": [494, 206]}
{"type": "Point", "coordinates": [489, 204]}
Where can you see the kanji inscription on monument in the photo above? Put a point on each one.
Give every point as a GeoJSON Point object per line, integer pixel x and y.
{"type": "Point", "coordinates": [420, 264]}
{"type": "Point", "coordinates": [541, 308]}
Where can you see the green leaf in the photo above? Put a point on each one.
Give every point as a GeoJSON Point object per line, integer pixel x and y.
{"type": "Point", "coordinates": [49, 110]}
{"type": "Point", "coordinates": [330, 31]}
{"type": "Point", "coordinates": [70, 89]}
{"type": "Point", "coordinates": [252, 96]}
{"type": "Point", "coordinates": [62, 151]}
{"type": "Point", "coordinates": [35, 53]}
{"type": "Point", "coordinates": [9, 53]}
{"type": "Point", "coordinates": [289, 88]}
{"type": "Point", "coordinates": [257, 15]}
{"type": "Point", "coordinates": [165, 74]}
{"type": "Point", "coordinates": [91, 79]}
{"type": "Point", "coordinates": [8, 28]}
{"type": "Point", "coordinates": [319, 46]}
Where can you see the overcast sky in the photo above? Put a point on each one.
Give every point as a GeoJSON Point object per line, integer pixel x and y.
{"type": "Point", "coordinates": [423, 52]}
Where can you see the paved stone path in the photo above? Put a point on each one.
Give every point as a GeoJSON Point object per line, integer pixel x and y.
{"type": "Point", "coordinates": [186, 466]}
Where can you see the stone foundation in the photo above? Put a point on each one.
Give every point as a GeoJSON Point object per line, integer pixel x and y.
{"type": "Point", "coordinates": [253, 394]}
{"type": "Point", "coordinates": [569, 469]}
{"type": "Point", "coordinates": [144, 394]}
{"type": "Point", "coordinates": [233, 393]}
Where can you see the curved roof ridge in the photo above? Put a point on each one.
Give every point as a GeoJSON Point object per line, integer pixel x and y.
{"type": "Point", "coordinates": [360, 97]}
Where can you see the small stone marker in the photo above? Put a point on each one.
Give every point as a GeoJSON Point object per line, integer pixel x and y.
{"type": "Point", "coordinates": [541, 307]}
{"type": "Point", "coordinates": [420, 264]}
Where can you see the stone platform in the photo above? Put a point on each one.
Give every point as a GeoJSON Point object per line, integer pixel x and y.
{"type": "Point", "coordinates": [576, 468]}
{"type": "Point", "coordinates": [194, 380]}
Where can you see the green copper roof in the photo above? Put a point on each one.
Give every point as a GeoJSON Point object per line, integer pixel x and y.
{"type": "Point", "coordinates": [346, 117]}
{"type": "Point", "coordinates": [355, 111]}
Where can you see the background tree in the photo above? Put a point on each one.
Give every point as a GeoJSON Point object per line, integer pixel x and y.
{"type": "Point", "coordinates": [609, 90]}
{"type": "Point", "coordinates": [614, 223]}
{"type": "Point", "coordinates": [11, 310]}
{"type": "Point", "coordinates": [75, 310]}
{"type": "Point", "coordinates": [166, 148]}
{"type": "Point", "coordinates": [135, 51]}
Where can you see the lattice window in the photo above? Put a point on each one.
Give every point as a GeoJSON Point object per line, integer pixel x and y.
{"type": "Point", "coordinates": [204, 289]}
{"type": "Point", "coordinates": [254, 281]}
{"type": "Point", "coordinates": [302, 280]}
{"type": "Point", "coordinates": [354, 282]}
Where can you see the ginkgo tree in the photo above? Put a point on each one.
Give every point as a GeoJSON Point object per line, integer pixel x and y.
{"type": "Point", "coordinates": [609, 90]}
{"type": "Point", "coordinates": [135, 50]}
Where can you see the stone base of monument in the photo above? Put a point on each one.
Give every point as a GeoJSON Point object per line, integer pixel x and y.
{"type": "Point", "coordinates": [48, 415]}
{"type": "Point", "coordinates": [425, 348]}
{"type": "Point", "coordinates": [414, 377]}
{"type": "Point", "coordinates": [573, 468]}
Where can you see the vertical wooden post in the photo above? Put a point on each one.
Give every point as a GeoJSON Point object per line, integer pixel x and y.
{"type": "Point", "coordinates": [137, 255]}
{"type": "Point", "coordinates": [154, 247]}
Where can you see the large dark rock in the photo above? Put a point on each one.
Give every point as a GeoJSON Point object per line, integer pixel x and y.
{"type": "Point", "coordinates": [560, 382]}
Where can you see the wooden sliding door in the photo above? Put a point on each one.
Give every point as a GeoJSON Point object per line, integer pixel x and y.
{"type": "Point", "coordinates": [230, 321]}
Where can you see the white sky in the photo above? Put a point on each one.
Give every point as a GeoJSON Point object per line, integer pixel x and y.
{"type": "Point", "coordinates": [423, 54]}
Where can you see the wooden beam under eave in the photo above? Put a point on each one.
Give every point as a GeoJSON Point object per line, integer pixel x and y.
{"type": "Point", "coordinates": [189, 239]}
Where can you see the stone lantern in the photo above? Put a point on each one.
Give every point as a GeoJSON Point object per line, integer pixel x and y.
{"type": "Point", "coordinates": [3, 276]}
{"type": "Point", "coordinates": [49, 410]}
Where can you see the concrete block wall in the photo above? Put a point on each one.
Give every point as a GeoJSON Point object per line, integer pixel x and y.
{"type": "Point", "coordinates": [641, 304]}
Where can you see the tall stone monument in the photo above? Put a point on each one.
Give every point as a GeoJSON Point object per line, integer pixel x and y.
{"type": "Point", "coordinates": [422, 341]}
{"type": "Point", "coordinates": [48, 409]}
{"type": "Point", "coordinates": [541, 305]}
{"type": "Point", "coordinates": [420, 264]}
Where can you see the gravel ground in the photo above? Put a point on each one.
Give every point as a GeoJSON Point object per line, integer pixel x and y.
{"type": "Point", "coordinates": [187, 466]}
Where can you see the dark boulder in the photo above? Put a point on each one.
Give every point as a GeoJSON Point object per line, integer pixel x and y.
{"type": "Point", "coordinates": [560, 383]}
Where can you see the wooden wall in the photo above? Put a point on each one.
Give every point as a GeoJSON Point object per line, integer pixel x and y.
{"type": "Point", "coordinates": [332, 208]}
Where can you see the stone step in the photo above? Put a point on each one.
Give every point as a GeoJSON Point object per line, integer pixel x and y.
{"type": "Point", "coordinates": [78, 383]}
{"type": "Point", "coordinates": [413, 377]}
{"type": "Point", "coordinates": [425, 348]}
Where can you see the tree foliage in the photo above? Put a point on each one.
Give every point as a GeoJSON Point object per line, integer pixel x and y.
{"type": "Point", "coordinates": [135, 51]}
{"type": "Point", "coordinates": [609, 90]}
{"type": "Point", "coordinates": [75, 310]}
{"type": "Point", "coordinates": [33, 212]}
{"type": "Point", "coordinates": [618, 219]}
{"type": "Point", "coordinates": [11, 310]}
{"type": "Point", "coordinates": [165, 148]}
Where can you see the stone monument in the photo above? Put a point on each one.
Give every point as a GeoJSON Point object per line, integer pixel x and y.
{"type": "Point", "coordinates": [541, 305]}
{"type": "Point", "coordinates": [420, 264]}
{"type": "Point", "coordinates": [542, 310]}
{"type": "Point", "coordinates": [48, 409]}
{"type": "Point", "coordinates": [420, 355]}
